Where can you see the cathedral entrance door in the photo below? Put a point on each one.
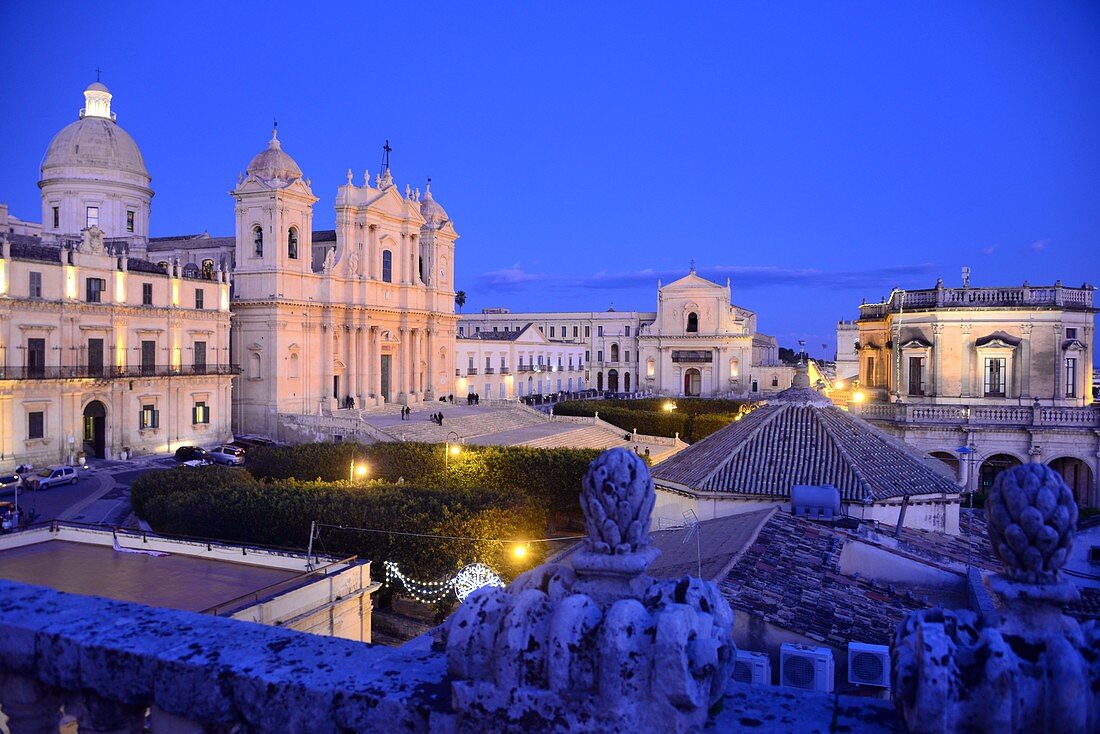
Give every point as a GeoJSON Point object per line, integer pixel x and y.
{"type": "Point", "coordinates": [95, 429]}
{"type": "Point", "coordinates": [613, 380]}
{"type": "Point", "coordinates": [693, 383]}
{"type": "Point", "coordinates": [385, 377]}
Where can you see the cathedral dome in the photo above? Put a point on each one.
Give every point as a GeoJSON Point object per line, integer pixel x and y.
{"type": "Point", "coordinates": [434, 214]}
{"type": "Point", "coordinates": [95, 140]}
{"type": "Point", "coordinates": [274, 163]}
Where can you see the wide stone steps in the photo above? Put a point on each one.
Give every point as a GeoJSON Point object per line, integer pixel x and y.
{"type": "Point", "coordinates": [582, 437]}
{"type": "Point", "coordinates": [479, 423]}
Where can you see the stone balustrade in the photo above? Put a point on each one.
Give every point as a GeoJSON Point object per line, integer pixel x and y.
{"type": "Point", "coordinates": [1025, 296]}
{"type": "Point", "coordinates": [985, 415]}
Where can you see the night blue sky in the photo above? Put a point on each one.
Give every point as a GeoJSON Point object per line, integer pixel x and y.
{"type": "Point", "coordinates": [816, 154]}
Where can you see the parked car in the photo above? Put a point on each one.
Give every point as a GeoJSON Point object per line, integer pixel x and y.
{"type": "Point", "coordinates": [231, 455]}
{"type": "Point", "coordinates": [251, 442]}
{"type": "Point", "coordinates": [193, 453]}
{"type": "Point", "coordinates": [11, 482]}
{"type": "Point", "coordinates": [53, 476]}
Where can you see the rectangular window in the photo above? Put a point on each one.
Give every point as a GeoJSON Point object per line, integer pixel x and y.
{"type": "Point", "coordinates": [56, 217]}
{"type": "Point", "coordinates": [387, 266]}
{"type": "Point", "coordinates": [626, 358]}
{"type": "Point", "coordinates": [200, 357]}
{"type": "Point", "coordinates": [470, 364]}
{"type": "Point", "coordinates": [146, 294]}
{"type": "Point", "coordinates": [149, 417]}
{"type": "Point", "coordinates": [35, 289]}
{"type": "Point", "coordinates": [628, 331]}
{"type": "Point", "coordinates": [148, 357]}
{"type": "Point", "coordinates": [869, 378]}
{"type": "Point", "coordinates": [1071, 377]}
{"type": "Point", "coordinates": [488, 363]}
{"type": "Point", "coordinates": [494, 329]}
{"type": "Point", "coordinates": [587, 331]}
{"type": "Point", "coordinates": [916, 375]}
{"type": "Point", "coordinates": [91, 216]}
{"type": "Point", "coordinates": [129, 221]}
{"type": "Point", "coordinates": [995, 377]}
{"type": "Point", "coordinates": [461, 330]}
{"type": "Point", "coordinates": [599, 330]}
{"type": "Point", "coordinates": [1071, 332]}
{"type": "Point", "coordinates": [95, 288]}
{"type": "Point", "coordinates": [477, 329]}
{"type": "Point", "coordinates": [198, 298]}
{"type": "Point", "coordinates": [599, 355]}
{"type": "Point", "coordinates": [200, 413]}
{"type": "Point", "coordinates": [574, 332]}
{"type": "Point", "coordinates": [551, 332]}
{"type": "Point", "coordinates": [587, 355]}
{"type": "Point", "coordinates": [36, 424]}
{"type": "Point", "coordinates": [95, 357]}
{"type": "Point", "coordinates": [36, 357]}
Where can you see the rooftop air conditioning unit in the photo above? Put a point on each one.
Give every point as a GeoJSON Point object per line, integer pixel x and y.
{"type": "Point", "coordinates": [868, 665]}
{"type": "Point", "coordinates": [805, 666]}
{"type": "Point", "coordinates": [752, 667]}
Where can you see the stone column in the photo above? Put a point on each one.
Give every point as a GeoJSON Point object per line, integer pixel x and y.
{"type": "Point", "coordinates": [326, 361]}
{"type": "Point", "coordinates": [1024, 365]}
{"type": "Point", "coordinates": [429, 375]}
{"type": "Point", "coordinates": [373, 255]}
{"type": "Point", "coordinates": [937, 329]}
{"type": "Point", "coordinates": [965, 381]}
{"type": "Point", "coordinates": [353, 363]}
{"type": "Point", "coordinates": [403, 364]}
{"type": "Point", "coordinates": [364, 364]}
{"type": "Point", "coordinates": [1059, 395]}
{"type": "Point", "coordinates": [376, 364]}
{"type": "Point", "coordinates": [414, 358]}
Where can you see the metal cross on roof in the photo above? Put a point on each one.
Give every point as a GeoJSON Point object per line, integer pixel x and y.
{"type": "Point", "coordinates": [386, 149]}
{"type": "Point", "coordinates": [98, 71]}
{"type": "Point", "coordinates": [693, 265]}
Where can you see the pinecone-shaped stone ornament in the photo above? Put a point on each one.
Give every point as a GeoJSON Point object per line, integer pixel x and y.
{"type": "Point", "coordinates": [1032, 515]}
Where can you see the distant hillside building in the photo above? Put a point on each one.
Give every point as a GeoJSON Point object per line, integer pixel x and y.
{"type": "Point", "coordinates": [1006, 371]}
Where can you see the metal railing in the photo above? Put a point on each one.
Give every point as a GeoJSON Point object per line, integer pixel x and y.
{"type": "Point", "coordinates": [110, 372]}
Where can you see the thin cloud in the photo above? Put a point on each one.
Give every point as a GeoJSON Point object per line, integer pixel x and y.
{"type": "Point", "coordinates": [1038, 245]}
{"type": "Point", "coordinates": [988, 250]}
{"type": "Point", "coordinates": [508, 279]}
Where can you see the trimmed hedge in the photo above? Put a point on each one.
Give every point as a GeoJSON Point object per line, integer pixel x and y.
{"type": "Point", "coordinates": [693, 419]}
{"type": "Point", "coordinates": [549, 479]}
{"type": "Point", "coordinates": [230, 505]}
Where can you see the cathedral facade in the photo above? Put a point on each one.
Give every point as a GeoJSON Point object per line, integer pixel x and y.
{"type": "Point", "coordinates": [113, 342]}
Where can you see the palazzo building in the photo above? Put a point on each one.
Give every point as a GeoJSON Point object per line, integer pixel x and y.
{"type": "Point", "coordinates": [696, 344]}
{"type": "Point", "coordinates": [1005, 372]}
{"type": "Point", "coordinates": [508, 364]}
{"type": "Point", "coordinates": [102, 352]}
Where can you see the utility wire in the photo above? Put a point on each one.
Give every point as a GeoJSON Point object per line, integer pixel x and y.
{"type": "Point", "coordinates": [449, 537]}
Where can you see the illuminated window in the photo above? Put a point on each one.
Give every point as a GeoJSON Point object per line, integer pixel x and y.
{"type": "Point", "coordinates": [92, 216]}
{"type": "Point", "coordinates": [149, 417]}
{"type": "Point", "coordinates": [208, 269]}
{"type": "Point", "coordinates": [200, 413]}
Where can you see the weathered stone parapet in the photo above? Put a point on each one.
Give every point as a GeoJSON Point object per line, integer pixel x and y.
{"type": "Point", "coordinates": [107, 661]}
{"type": "Point", "coordinates": [1032, 670]}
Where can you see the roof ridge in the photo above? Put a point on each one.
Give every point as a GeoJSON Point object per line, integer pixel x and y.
{"type": "Point", "coordinates": [734, 558]}
{"type": "Point", "coordinates": [766, 420]}
{"type": "Point", "coordinates": [868, 491]}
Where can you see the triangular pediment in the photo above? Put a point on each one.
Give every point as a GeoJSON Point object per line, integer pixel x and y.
{"type": "Point", "coordinates": [691, 281]}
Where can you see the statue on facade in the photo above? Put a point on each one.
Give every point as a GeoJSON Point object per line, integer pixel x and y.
{"type": "Point", "coordinates": [600, 646]}
{"type": "Point", "coordinates": [1033, 670]}
{"type": "Point", "coordinates": [353, 263]}
{"type": "Point", "coordinates": [93, 241]}
{"type": "Point", "coordinates": [330, 260]}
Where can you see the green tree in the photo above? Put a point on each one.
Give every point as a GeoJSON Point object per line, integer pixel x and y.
{"type": "Point", "coordinates": [460, 299]}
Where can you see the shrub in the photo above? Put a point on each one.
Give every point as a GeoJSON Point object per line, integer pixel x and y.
{"type": "Point", "coordinates": [693, 419]}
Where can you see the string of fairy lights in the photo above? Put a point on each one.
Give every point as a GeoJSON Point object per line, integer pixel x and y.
{"type": "Point", "coordinates": [464, 582]}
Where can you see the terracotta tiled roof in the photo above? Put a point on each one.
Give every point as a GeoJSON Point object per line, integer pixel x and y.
{"type": "Point", "coordinates": [789, 442]}
{"type": "Point", "coordinates": [789, 576]}
{"type": "Point", "coordinates": [1086, 609]}
{"type": "Point", "coordinates": [720, 541]}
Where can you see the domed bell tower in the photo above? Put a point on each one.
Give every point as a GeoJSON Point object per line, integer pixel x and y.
{"type": "Point", "coordinates": [274, 216]}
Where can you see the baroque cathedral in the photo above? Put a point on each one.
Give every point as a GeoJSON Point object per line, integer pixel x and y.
{"type": "Point", "coordinates": [116, 343]}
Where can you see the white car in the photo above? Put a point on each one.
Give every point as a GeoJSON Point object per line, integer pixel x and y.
{"type": "Point", "coordinates": [9, 483]}
{"type": "Point", "coordinates": [228, 455]}
{"type": "Point", "coordinates": [53, 476]}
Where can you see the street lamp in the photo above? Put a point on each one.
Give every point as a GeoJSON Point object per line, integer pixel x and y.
{"type": "Point", "coordinates": [450, 449]}
{"type": "Point", "coordinates": [357, 470]}
{"type": "Point", "coordinates": [669, 406]}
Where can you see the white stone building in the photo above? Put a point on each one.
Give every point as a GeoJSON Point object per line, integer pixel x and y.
{"type": "Point", "coordinates": [503, 365]}
{"type": "Point", "coordinates": [697, 343]}
{"type": "Point", "coordinates": [1004, 371]}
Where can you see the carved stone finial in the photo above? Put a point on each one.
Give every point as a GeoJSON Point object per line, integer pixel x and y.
{"type": "Point", "coordinates": [617, 500]}
{"type": "Point", "coordinates": [350, 176]}
{"type": "Point", "coordinates": [1032, 520]}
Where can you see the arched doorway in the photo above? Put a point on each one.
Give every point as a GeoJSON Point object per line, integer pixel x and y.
{"type": "Point", "coordinates": [1077, 476]}
{"type": "Point", "coordinates": [599, 381]}
{"type": "Point", "coordinates": [95, 430]}
{"type": "Point", "coordinates": [949, 459]}
{"type": "Point", "coordinates": [693, 383]}
{"type": "Point", "coordinates": [993, 466]}
{"type": "Point", "coordinates": [626, 382]}
{"type": "Point", "coordinates": [613, 380]}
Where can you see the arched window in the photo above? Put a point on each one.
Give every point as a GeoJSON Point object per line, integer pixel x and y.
{"type": "Point", "coordinates": [258, 241]}
{"type": "Point", "coordinates": [208, 269]}
{"type": "Point", "coordinates": [387, 266]}
{"type": "Point", "coordinates": [735, 367]}
{"type": "Point", "coordinates": [292, 243]}
{"type": "Point", "coordinates": [614, 352]}
{"type": "Point", "coordinates": [423, 275]}
{"type": "Point", "coordinates": [693, 322]}
{"type": "Point", "coordinates": [650, 367]}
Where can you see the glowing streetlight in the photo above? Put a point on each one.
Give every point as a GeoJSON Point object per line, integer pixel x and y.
{"type": "Point", "coordinates": [857, 396]}
{"type": "Point", "coordinates": [449, 450]}
{"type": "Point", "coordinates": [357, 470]}
{"type": "Point", "coordinates": [519, 551]}
{"type": "Point", "coordinates": [669, 406]}
{"type": "Point", "coordinates": [840, 384]}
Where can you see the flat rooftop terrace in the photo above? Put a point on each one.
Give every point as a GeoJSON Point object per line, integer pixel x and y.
{"type": "Point", "coordinates": [171, 582]}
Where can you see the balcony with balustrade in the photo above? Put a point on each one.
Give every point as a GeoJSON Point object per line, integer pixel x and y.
{"type": "Point", "coordinates": [111, 372]}
{"type": "Point", "coordinates": [1055, 296]}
